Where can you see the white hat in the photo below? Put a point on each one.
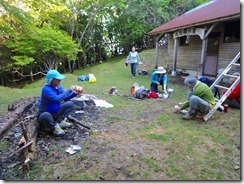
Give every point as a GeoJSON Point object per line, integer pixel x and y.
{"type": "Point", "coordinates": [161, 70]}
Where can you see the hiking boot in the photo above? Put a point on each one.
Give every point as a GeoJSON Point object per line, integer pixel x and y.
{"type": "Point", "coordinates": [187, 116]}
{"type": "Point", "coordinates": [65, 123]}
{"type": "Point", "coordinates": [58, 131]}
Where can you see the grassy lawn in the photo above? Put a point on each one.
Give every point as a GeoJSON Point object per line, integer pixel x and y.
{"type": "Point", "coordinates": [149, 142]}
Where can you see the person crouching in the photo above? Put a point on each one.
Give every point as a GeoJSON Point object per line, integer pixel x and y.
{"type": "Point", "coordinates": [200, 98]}
{"type": "Point", "coordinates": [159, 77]}
{"type": "Point", "coordinates": [55, 105]}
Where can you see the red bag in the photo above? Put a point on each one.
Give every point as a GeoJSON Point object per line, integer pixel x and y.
{"type": "Point", "coordinates": [152, 94]}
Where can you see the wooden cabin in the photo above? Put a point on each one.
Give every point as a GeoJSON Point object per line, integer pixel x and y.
{"type": "Point", "coordinates": [202, 40]}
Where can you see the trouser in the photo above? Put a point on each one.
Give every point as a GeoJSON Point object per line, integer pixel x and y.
{"type": "Point", "coordinates": [197, 104]}
{"type": "Point", "coordinates": [232, 103]}
{"type": "Point", "coordinates": [50, 119]}
{"type": "Point", "coordinates": [133, 67]}
{"type": "Point", "coordinates": [154, 86]}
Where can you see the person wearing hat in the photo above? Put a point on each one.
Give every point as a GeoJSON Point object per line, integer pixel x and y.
{"type": "Point", "coordinates": [200, 99]}
{"type": "Point", "coordinates": [54, 106]}
{"type": "Point", "coordinates": [159, 77]}
{"type": "Point", "coordinates": [233, 100]}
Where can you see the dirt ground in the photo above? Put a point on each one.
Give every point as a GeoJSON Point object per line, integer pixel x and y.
{"type": "Point", "coordinates": [106, 145]}
{"type": "Point", "coordinates": [111, 149]}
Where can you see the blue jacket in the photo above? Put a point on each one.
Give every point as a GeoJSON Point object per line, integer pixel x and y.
{"type": "Point", "coordinates": [51, 98]}
{"type": "Point", "coordinates": [156, 78]}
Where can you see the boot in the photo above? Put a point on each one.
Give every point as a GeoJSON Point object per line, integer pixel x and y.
{"type": "Point", "coordinates": [187, 116]}
{"type": "Point", "coordinates": [65, 123]}
{"type": "Point", "coordinates": [58, 131]}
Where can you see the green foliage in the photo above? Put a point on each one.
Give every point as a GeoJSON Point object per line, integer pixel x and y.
{"type": "Point", "coordinates": [22, 60]}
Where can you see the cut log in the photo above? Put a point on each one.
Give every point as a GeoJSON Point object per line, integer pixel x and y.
{"type": "Point", "coordinates": [74, 120]}
{"type": "Point", "coordinates": [32, 132]}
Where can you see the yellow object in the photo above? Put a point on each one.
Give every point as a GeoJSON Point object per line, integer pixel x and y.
{"type": "Point", "coordinates": [92, 78]}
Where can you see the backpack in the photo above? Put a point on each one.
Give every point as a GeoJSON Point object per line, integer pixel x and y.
{"type": "Point", "coordinates": [142, 72]}
{"type": "Point", "coordinates": [152, 94]}
{"type": "Point", "coordinates": [141, 93]}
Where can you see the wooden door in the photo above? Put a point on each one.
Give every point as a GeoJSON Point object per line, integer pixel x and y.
{"type": "Point", "coordinates": [211, 62]}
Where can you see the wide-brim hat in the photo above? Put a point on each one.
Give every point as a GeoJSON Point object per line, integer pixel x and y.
{"type": "Point", "coordinates": [161, 70]}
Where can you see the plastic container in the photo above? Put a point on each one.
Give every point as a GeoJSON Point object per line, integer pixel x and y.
{"type": "Point", "coordinates": [226, 108]}
{"type": "Point", "coordinates": [132, 90]}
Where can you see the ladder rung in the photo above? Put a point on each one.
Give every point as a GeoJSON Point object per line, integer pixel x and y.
{"type": "Point", "coordinates": [236, 64]}
{"type": "Point", "coordinates": [218, 86]}
{"type": "Point", "coordinates": [228, 75]}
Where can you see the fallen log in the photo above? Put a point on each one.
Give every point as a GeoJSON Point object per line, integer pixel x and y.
{"type": "Point", "coordinates": [16, 113]}
{"type": "Point", "coordinates": [23, 112]}
{"type": "Point", "coordinates": [32, 132]}
{"type": "Point", "coordinates": [74, 120]}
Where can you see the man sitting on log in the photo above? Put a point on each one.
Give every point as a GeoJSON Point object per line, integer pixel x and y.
{"type": "Point", "coordinates": [54, 106]}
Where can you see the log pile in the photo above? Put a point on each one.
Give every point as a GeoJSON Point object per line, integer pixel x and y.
{"type": "Point", "coordinates": [23, 112]}
{"type": "Point", "coordinates": [22, 115]}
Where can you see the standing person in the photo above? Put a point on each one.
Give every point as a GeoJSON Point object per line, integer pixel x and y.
{"type": "Point", "coordinates": [159, 77]}
{"type": "Point", "coordinates": [133, 58]}
{"type": "Point", "coordinates": [233, 100]}
{"type": "Point", "coordinates": [54, 106]}
{"type": "Point", "coordinates": [200, 98]}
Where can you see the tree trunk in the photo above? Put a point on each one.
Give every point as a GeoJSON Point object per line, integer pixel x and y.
{"type": "Point", "coordinates": [31, 74]}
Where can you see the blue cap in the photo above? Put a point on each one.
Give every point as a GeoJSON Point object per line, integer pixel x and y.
{"type": "Point", "coordinates": [53, 74]}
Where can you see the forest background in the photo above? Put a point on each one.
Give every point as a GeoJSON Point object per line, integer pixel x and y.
{"type": "Point", "coordinates": [36, 36]}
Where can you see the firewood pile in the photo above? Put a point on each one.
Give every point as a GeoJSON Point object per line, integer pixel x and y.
{"type": "Point", "coordinates": [20, 128]}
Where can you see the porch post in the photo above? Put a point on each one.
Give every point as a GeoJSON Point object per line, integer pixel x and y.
{"type": "Point", "coordinates": [156, 59]}
{"type": "Point", "coordinates": [176, 45]}
{"type": "Point", "coordinates": [204, 52]}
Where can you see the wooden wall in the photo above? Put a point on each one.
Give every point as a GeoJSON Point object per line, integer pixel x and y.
{"type": "Point", "coordinates": [189, 56]}
{"type": "Point", "coordinates": [227, 52]}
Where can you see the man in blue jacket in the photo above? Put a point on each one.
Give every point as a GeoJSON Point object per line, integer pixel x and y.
{"type": "Point", "coordinates": [54, 106]}
{"type": "Point", "coordinates": [159, 77]}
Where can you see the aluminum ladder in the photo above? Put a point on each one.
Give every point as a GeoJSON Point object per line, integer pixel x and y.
{"type": "Point", "coordinates": [229, 89]}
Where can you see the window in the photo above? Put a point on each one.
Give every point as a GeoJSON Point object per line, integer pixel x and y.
{"type": "Point", "coordinates": [184, 40]}
{"type": "Point", "coordinates": [232, 32]}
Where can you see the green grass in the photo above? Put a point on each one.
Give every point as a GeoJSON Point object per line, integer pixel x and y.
{"type": "Point", "coordinates": [171, 148]}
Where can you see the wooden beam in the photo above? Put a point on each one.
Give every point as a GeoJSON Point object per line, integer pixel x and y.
{"type": "Point", "coordinates": [156, 58]}
{"type": "Point", "coordinates": [176, 45]}
{"type": "Point", "coordinates": [210, 29]}
{"type": "Point", "coordinates": [158, 38]}
{"type": "Point", "coordinates": [204, 52]}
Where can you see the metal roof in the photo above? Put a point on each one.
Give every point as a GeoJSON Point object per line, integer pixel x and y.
{"type": "Point", "coordinates": [212, 11]}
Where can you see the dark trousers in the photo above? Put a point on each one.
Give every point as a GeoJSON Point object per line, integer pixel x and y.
{"type": "Point", "coordinates": [154, 86]}
{"type": "Point", "coordinates": [133, 67]}
{"type": "Point", "coordinates": [49, 120]}
{"type": "Point", "coordinates": [232, 103]}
